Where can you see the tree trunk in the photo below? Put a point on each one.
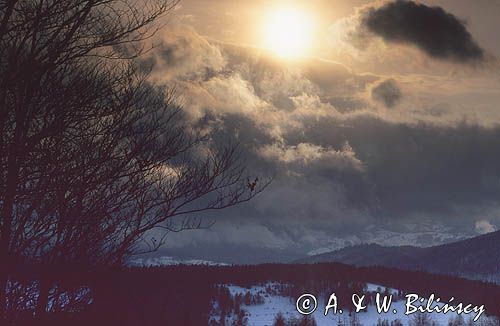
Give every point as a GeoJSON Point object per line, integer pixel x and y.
{"type": "Point", "coordinates": [43, 298]}
{"type": "Point", "coordinates": [5, 235]}
{"type": "Point", "coordinates": [6, 216]}
{"type": "Point", "coordinates": [3, 291]}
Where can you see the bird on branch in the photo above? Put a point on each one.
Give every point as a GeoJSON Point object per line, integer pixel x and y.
{"type": "Point", "coordinates": [252, 184]}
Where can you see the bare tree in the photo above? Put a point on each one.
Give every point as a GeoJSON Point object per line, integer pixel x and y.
{"type": "Point", "coordinates": [92, 155]}
{"type": "Point", "coordinates": [422, 319]}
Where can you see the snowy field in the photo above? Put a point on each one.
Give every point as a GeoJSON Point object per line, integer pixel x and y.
{"type": "Point", "coordinates": [264, 314]}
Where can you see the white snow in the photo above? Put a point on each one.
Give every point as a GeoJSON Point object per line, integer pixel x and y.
{"type": "Point", "coordinates": [264, 314]}
{"type": "Point", "coordinates": [168, 261]}
{"type": "Point", "coordinates": [419, 236]}
{"type": "Point", "coordinates": [378, 288]}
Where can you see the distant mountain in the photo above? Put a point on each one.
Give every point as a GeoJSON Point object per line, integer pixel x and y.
{"type": "Point", "coordinates": [476, 258]}
{"type": "Point", "coordinates": [168, 261]}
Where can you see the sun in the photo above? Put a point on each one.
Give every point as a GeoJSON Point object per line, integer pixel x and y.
{"type": "Point", "coordinates": [288, 32]}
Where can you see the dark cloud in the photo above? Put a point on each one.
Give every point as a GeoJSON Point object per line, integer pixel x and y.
{"type": "Point", "coordinates": [339, 165]}
{"type": "Point", "coordinates": [416, 168]}
{"type": "Point", "coordinates": [438, 33]}
{"type": "Point", "coordinates": [387, 92]}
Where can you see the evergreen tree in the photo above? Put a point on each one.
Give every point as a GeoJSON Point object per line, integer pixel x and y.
{"type": "Point", "coordinates": [421, 319]}
{"type": "Point", "coordinates": [396, 322]}
{"type": "Point", "coordinates": [279, 320]}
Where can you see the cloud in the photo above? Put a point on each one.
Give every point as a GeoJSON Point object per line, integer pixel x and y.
{"type": "Point", "coordinates": [436, 32]}
{"type": "Point", "coordinates": [484, 226]}
{"type": "Point", "coordinates": [294, 122]}
{"type": "Point", "coordinates": [387, 92]}
{"type": "Point", "coordinates": [313, 156]}
{"type": "Point", "coordinates": [182, 54]}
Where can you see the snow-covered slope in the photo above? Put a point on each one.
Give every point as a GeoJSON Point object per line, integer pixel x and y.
{"type": "Point", "coordinates": [475, 258]}
{"type": "Point", "coordinates": [265, 313]}
{"type": "Point", "coordinates": [167, 261]}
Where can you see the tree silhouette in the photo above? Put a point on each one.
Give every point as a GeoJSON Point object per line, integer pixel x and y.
{"type": "Point", "coordinates": [421, 319]}
{"type": "Point", "coordinates": [279, 320]}
{"type": "Point", "coordinates": [92, 155]}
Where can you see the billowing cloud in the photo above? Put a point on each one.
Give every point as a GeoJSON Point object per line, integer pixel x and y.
{"type": "Point", "coordinates": [183, 54]}
{"type": "Point", "coordinates": [484, 226]}
{"type": "Point", "coordinates": [313, 156]}
{"type": "Point", "coordinates": [387, 92]}
{"type": "Point", "coordinates": [436, 32]}
{"type": "Point", "coordinates": [340, 162]}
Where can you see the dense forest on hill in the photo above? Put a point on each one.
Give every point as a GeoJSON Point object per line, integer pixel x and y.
{"type": "Point", "coordinates": [183, 294]}
{"type": "Point", "coordinates": [474, 258]}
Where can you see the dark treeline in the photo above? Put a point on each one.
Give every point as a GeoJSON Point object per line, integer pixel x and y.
{"type": "Point", "coordinates": [183, 295]}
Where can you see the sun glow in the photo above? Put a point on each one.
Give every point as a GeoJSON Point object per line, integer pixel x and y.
{"type": "Point", "coordinates": [288, 32]}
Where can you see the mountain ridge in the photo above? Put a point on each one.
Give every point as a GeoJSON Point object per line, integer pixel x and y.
{"type": "Point", "coordinates": [476, 258]}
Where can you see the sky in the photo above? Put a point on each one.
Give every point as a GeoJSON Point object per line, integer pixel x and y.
{"type": "Point", "coordinates": [378, 120]}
